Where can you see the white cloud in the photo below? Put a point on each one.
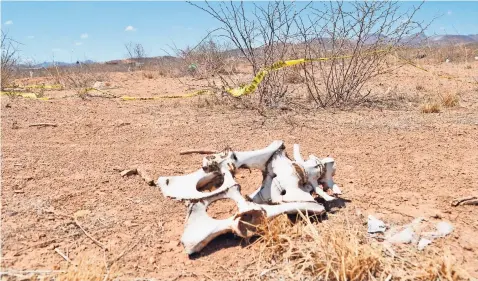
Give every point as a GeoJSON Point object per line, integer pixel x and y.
{"type": "Point", "coordinates": [8, 22]}
{"type": "Point", "coordinates": [449, 12]}
{"type": "Point", "coordinates": [56, 50]}
{"type": "Point", "coordinates": [130, 28]}
{"type": "Point", "coordinates": [78, 43]}
{"type": "Point", "coordinates": [30, 36]}
{"type": "Point", "coordinates": [84, 36]}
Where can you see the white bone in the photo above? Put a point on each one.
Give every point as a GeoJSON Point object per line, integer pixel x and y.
{"type": "Point", "coordinates": [281, 184]}
{"type": "Point", "coordinates": [185, 187]}
{"type": "Point", "coordinates": [293, 208]}
{"type": "Point", "coordinates": [314, 168]}
{"type": "Point", "coordinates": [327, 181]}
{"type": "Point", "coordinates": [201, 228]}
{"type": "Point", "coordinates": [255, 159]}
{"type": "Point", "coordinates": [375, 225]}
{"type": "Point", "coordinates": [297, 156]}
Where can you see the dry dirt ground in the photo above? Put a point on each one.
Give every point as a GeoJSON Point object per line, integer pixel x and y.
{"type": "Point", "coordinates": [395, 162]}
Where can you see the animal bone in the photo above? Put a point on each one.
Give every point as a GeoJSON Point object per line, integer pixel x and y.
{"type": "Point", "coordinates": [216, 167]}
{"type": "Point", "coordinates": [256, 159]}
{"type": "Point", "coordinates": [186, 187]}
{"type": "Point", "coordinates": [284, 182]}
{"type": "Point", "coordinates": [318, 171]}
{"type": "Point", "coordinates": [201, 228]}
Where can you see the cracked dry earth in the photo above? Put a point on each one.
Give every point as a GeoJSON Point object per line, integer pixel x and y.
{"type": "Point", "coordinates": [397, 163]}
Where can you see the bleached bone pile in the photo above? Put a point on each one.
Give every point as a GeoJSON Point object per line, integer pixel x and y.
{"type": "Point", "coordinates": [287, 187]}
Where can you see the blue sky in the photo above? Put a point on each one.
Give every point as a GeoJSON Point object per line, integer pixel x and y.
{"type": "Point", "coordinates": [70, 31]}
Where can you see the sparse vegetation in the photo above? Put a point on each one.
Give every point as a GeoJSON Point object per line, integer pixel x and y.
{"type": "Point", "coordinates": [450, 100]}
{"type": "Point", "coordinates": [342, 252]}
{"type": "Point", "coordinates": [430, 107]}
{"type": "Point", "coordinates": [9, 59]}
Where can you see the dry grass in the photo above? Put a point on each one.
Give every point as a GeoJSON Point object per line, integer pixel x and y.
{"type": "Point", "coordinates": [450, 100]}
{"type": "Point", "coordinates": [339, 249]}
{"type": "Point", "coordinates": [148, 75]}
{"type": "Point", "coordinates": [430, 107]}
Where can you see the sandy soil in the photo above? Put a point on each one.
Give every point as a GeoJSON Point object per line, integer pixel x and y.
{"type": "Point", "coordinates": [395, 162]}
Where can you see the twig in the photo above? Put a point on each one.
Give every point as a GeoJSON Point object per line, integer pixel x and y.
{"type": "Point", "coordinates": [124, 252]}
{"type": "Point", "coordinates": [198, 151]}
{"type": "Point", "coordinates": [461, 201]}
{"type": "Point", "coordinates": [89, 236]}
{"type": "Point", "coordinates": [43, 125]}
{"type": "Point", "coordinates": [64, 256]}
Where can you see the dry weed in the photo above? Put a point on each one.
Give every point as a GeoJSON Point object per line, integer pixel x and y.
{"type": "Point", "coordinates": [340, 249]}
{"type": "Point", "coordinates": [419, 87]}
{"type": "Point", "coordinates": [430, 107]}
{"type": "Point", "coordinates": [148, 75]}
{"type": "Point", "coordinates": [449, 100]}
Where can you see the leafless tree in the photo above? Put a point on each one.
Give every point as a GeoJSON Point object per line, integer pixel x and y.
{"type": "Point", "coordinates": [358, 37]}
{"type": "Point", "coordinates": [135, 50]}
{"type": "Point", "coordinates": [262, 33]}
{"type": "Point", "coordinates": [9, 59]}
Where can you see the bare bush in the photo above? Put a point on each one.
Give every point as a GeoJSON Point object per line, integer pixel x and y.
{"type": "Point", "coordinates": [207, 59]}
{"type": "Point", "coordinates": [9, 59]}
{"type": "Point", "coordinates": [262, 37]}
{"type": "Point", "coordinates": [135, 50]}
{"type": "Point", "coordinates": [357, 37]}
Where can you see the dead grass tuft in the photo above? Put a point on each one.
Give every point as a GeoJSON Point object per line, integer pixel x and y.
{"type": "Point", "coordinates": [450, 100]}
{"type": "Point", "coordinates": [339, 249]}
{"type": "Point", "coordinates": [430, 107]}
{"type": "Point", "coordinates": [419, 87]}
{"type": "Point", "coordinates": [148, 75]}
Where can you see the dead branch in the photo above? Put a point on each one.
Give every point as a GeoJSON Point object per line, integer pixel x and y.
{"type": "Point", "coordinates": [64, 256]}
{"type": "Point", "coordinates": [469, 200]}
{"type": "Point", "coordinates": [89, 235]}
{"type": "Point", "coordinates": [197, 151]}
{"type": "Point", "coordinates": [43, 125]}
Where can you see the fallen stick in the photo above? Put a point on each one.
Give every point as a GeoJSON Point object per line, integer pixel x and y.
{"type": "Point", "coordinates": [197, 151]}
{"type": "Point", "coordinates": [89, 236]}
{"type": "Point", "coordinates": [64, 256]}
{"type": "Point", "coordinates": [470, 202]}
{"type": "Point", "coordinates": [462, 201]}
{"type": "Point", "coordinates": [43, 125]}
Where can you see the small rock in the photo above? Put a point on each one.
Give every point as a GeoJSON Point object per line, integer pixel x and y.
{"type": "Point", "coordinates": [152, 260]}
{"type": "Point", "coordinates": [128, 172]}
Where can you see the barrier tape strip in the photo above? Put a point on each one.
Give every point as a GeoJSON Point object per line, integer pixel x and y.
{"type": "Point", "coordinates": [247, 89]}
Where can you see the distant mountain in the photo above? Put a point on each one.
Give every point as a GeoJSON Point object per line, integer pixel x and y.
{"type": "Point", "coordinates": [59, 63]}
{"type": "Point", "coordinates": [452, 39]}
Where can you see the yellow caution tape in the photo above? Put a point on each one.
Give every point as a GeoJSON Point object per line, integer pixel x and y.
{"type": "Point", "coordinates": [24, 95]}
{"type": "Point", "coordinates": [240, 91]}
{"type": "Point", "coordinates": [54, 86]}
{"type": "Point", "coordinates": [190, 95]}
{"type": "Point", "coordinates": [250, 88]}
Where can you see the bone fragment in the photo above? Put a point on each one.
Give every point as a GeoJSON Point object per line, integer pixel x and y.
{"type": "Point", "coordinates": [423, 243]}
{"type": "Point", "coordinates": [375, 225]}
{"type": "Point", "coordinates": [201, 228]}
{"type": "Point", "coordinates": [186, 187]}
